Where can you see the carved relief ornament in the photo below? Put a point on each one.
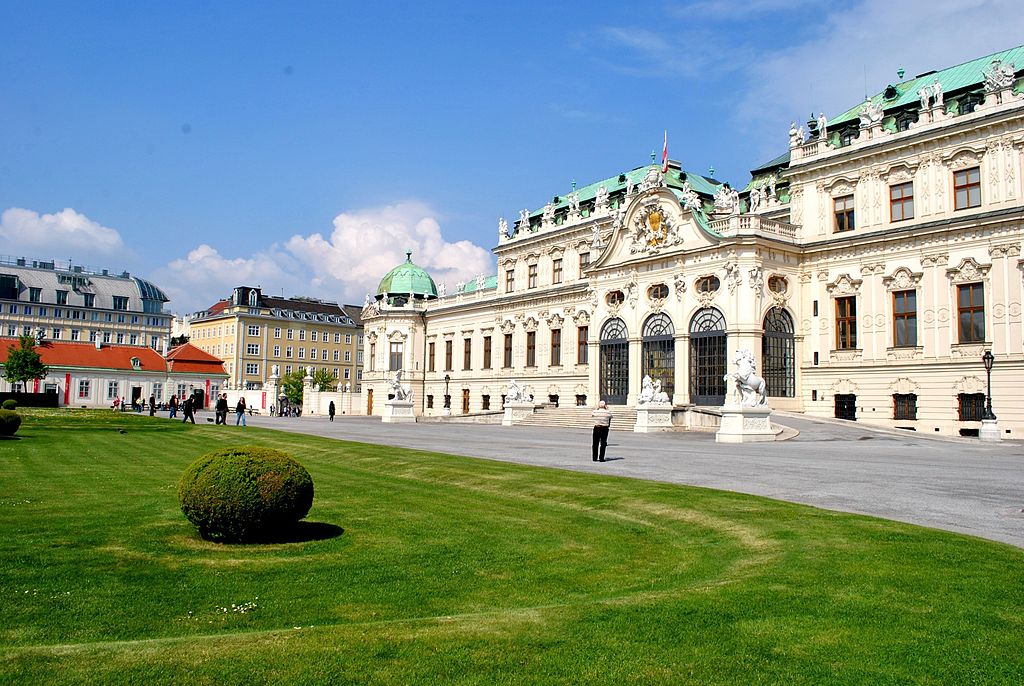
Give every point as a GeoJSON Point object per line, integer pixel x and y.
{"type": "Point", "coordinates": [844, 285]}
{"type": "Point", "coordinates": [967, 271]}
{"type": "Point", "coordinates": [902, 280]}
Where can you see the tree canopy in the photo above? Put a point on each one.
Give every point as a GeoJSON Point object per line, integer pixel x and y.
{"type": "Point", "coordinates": [24, 363]}
{"type": "Point", "coordinates": [291, 386]}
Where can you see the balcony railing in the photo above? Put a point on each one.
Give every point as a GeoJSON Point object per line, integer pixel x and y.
{"type": "Point", "coordinates": [753, 224]}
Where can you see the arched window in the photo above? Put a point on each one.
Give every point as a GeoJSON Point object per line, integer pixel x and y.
{"type": "Point", "coordinates": [707, 357]}
{"type": "Point", "coordinates": [658, 352]}
{"type": "Point", "coordinates": [778, 354]}
{"type": "Point", "coordinates": [252, 299]}
{"type": "Point", "coordinates": [614, 370]}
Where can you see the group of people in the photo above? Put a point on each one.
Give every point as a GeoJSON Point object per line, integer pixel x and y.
{"type": "Point", "coordinates": [221, 410]}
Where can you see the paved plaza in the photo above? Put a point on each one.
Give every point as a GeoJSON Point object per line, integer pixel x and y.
{"type": "Point", "coordinates": [958, 485]}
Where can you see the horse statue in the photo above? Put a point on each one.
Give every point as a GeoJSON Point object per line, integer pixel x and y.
{"type": "Point", "coordinates": [516, 393]}
{"type": "Point", "coordinates": [398, 389]}
{"type": "Point", "coordinates": [748, 387]}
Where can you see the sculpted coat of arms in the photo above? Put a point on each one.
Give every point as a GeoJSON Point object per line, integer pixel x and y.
{"type": "Point", "coordinates": [653, 230]}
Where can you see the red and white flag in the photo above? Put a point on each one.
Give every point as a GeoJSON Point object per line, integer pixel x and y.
{"type": "Point", "coordinates": [664, 155]}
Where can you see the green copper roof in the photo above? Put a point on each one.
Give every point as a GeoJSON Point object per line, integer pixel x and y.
{"type": "Point", "coordinates": [490, 283]}
{"type": "Point", "coordinates": [407, 278]}
{"type": "Point", "coordinates": [698, 183]}
{"type": "Point", "coordinates": [952, 80]}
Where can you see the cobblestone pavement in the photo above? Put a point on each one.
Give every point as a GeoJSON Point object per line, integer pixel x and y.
{"type": "Point", "coordinates": [954, 484]}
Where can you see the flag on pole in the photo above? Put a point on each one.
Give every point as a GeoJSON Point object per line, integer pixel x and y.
{"type": "Point", "coordinates": [664, 155]}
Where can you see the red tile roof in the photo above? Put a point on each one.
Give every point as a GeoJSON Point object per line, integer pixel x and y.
{"type": "Point", "coordinates": [87, 355]}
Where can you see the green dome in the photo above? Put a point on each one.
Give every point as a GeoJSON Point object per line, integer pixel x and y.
{"type": "Point", "coordinates": [405, 279]}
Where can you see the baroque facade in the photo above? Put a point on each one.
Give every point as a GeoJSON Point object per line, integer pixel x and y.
{"type": "Point", "coordinates": [868, 269]}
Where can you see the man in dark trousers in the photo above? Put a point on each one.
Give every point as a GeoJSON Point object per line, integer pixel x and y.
{"type": "Point", "coordinates": [152, 406]}
{"type": "Point", "coordinates": [222, 409]}
{"type": "Point", "coordinates": [602, 422]}
{"type": "Point", "coordinates": [188, 408]}
{"type": "Point", "coordinates": [330, 410]}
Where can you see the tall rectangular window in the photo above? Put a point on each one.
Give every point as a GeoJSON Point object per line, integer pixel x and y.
{"type": "Point", "coordinates": [90, 299]}
{"type": "Point", "coordinates": [556, 270]}
{"type": "Point", "coordinates": [35, 294]}
{"type": "Point", "coordinates": [904, 406]}
{"type": "Point", "coordinates": [971, 310]}
{"type": "Point", "coordinates": [967, 188]}
{"type": "Point", "coordinates": [487, 352]}
{"type": "Point", "coordinates": [846, 323]}
{"type": "Point", "coordinates": [556, 347]}
{"type": "Point", "coordinates": [448, 356]}
{"type": "Point", "coordinates": [62, 298]}
{"type": "Point", "coordinates": [510, 279]}
{"type": "Point", "coordinates": [83, 388]}
{"type": "Point", "coordinates": [582, 334]}
{"type": "Point", "coordinates": [584, 260]}
{"type": "Point", "coordinates": [904, 311]}
{"type": "Point", "coordinates": [395, 359]}
{"type": "Point", "coordinates": [901, 201]}
{"type": "Point", "coordinates": [277, 351]}
{"type": "Point", "coordinates": [507, 361]}
{"type": "Point", "coordinates": [532, 276]}
{"type": "Point", "coordinates": [431, 350]}
{"type": "Point", "coordinates": [277, 332]}
{"type": "Point", "coordinates": [531, 348]}
{"type": "Point", "coordinates": [844, 213]}
{"type": "Point", "coordinates": [467, 353]}
{"type": "Point", "coordinates": [120, 302]}
{"type": "Point", "coordinates": [112, 390]}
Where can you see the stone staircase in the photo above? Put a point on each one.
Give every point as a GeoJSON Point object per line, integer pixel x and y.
{"type": "Point", "coordinates": [623, 418]}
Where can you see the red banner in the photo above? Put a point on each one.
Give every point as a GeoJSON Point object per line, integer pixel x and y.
{"type": "Point", "coordinates": [67, 389]}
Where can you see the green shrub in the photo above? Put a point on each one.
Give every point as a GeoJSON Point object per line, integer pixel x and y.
{"type": "Point", "coordinates": [9, 422]}
{"type": "Point", "coordinates": [245, 493]}
{"type": "Point", "coordinates": [10, 404]}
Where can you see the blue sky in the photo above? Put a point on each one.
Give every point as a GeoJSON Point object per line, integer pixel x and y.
{"type": "Point", "coordinates": [304, 146]}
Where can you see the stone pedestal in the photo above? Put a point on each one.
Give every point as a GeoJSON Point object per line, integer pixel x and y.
{"type": "Point", "coordinates": [745, 425]}
{"type": "Point", "coordinates": [653, 417]}
{"type": "Point", "coordinates": [397, 412]}
{"type": "Point", "coordinates": [989, 431]}
{"type": "Point", "coordinates": [515, 412]}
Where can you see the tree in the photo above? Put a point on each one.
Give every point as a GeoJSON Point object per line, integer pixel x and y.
{"type": "Point", "coordinates": [24, 363]}
{"type": "Point", "coordinates": [324, 379]}
{"type": "Point", "coordinates": [291, 386]}
{"type": "Point", "coordinates": [179, 340]}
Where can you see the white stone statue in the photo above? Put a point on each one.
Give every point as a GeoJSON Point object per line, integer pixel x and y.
{"type": "Point", "coordinates": [502, 229]}
{"type": "Point", "coordinates": [549, 213]}
{"type": "Point", "coordinates": [755, 199]}
{"type": "Point", "coordinates": [460, 286]}
{"type": "Point", "coordinates": [398, 389]}
{"type": "Point", "coordinates": [748, 388]}
{"type": "Point", "coordinates": [822, 126]}
{"type": "Point", "coordinates": [772, 180]}
{"type": "Point", "coordinates": [727, 199]}
{"type": "Point", "coordinates": [524, 220]}
{"type": "Point", "coordinates": [515, 393]}
{"type": "Point", "coordinates": [998, 76]}
{"type": "Point", "coordinates": [652, 179]}
{"type": "Point", "coordinates": [800, 135]}
{"type": "Point", "coordinates": [925, 94]}
{"type": "Point", "coordinates": [691, 201]}
{"type": "Point", "coordinates": [601, 199]}
{"type": "Point", "coordinates": [794, 138]}
{"type": "Point", "coordinates": [574, 204]}
{"type": "Point", "coordinates": [660, 396]}
{"type": "Point", "coordinates": [275, 371]}
{"type": "Point", "coordinates": [366, 303]}
{"type": "Point", "coordinates": [937, 93]}
{"type": "Point", "coordinates": [870, 113]}
{"type": "Point", "coordinates": [481, 280]}
{"type": "Point", "coordinates": [442, 289]}
{"type": "Point", "coordinates": [309, 371]}
{"type": "Point", "coordinates": [630, 186]}
{"type": "Point", "coordinates": [595, 236]}
{"type": "Point", "coordinates": [646, 391]}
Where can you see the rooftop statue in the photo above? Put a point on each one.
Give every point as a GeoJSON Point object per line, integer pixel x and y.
{"type": "Point", "coordinates": [524, 220]}
{"type": "Point", "coordinates": [822, 126]}
{"type": "Point", "coordinates": [549, 213]}
{"type": "Point", "coordinates": [998, 76]}
{"type": "Point", "coordinates": [755, 199]}
{"type": "Point", "coordinates": [502, 229]}
{"type": "Point", "coordinates": [691, 201]}
{"type": "Point", "coordinates": [794, 135]}
{"type": "Point", "coordinates": [442, 289]}
{"type": "Point", "coordinates": [870, 113]}
{"type": "Point", "coordinates": [574, 203]}
{"type": "Point", "coordinates": [601, 199]}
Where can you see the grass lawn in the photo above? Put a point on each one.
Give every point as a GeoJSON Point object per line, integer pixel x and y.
{"type": "Point", "coordinates": [427, 568]}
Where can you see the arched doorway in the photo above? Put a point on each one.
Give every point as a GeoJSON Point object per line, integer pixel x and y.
{"type": "Point", "coordinates": [658, 356]}
{"type": "Point", "coordinates": [707, 357]}
{"type": "Point", "coordinates": [614, 370]}
{"type": "Point", "coordinates": [778, 354]}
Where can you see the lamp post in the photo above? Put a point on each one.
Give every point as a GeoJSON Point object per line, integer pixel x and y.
{"type": "Point", "coordinates": [447, 398]}
{"type": "Point", "coordinates": [989, 426]}
{"type": "Point", "coordinates": [988, 360]}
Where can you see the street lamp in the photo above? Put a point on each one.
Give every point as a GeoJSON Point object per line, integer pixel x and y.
{"type": "Point", "coordinates": [988, 359]}
{"type": "Point", "coordinates": [447, 398]}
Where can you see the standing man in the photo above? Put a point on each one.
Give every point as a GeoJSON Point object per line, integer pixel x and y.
{"type": "Point", "coordinates": [173, 404]}
{"type": "Point", "coordinates": [330, 410]}
{"type": "Point", "coordinates": [188, 407]}
{"type": "Point", "coordinates": [152, 406]}
{"type": "Point", "coordinates": [222, 409]}
{"type": "Point", "coordinates": [602, 422]}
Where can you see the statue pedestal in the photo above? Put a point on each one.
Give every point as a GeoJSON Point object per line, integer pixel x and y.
{"type": "Point", "coordinates": [989, 431]}
{"type": "Point", "coordinates": [397, 412]}
{"type": "Point", "coordinates": [745, 425]}
{"type": "Point", "coordinates": [515, 412]}
{"type": "Point", "coordinates": [653, 417]}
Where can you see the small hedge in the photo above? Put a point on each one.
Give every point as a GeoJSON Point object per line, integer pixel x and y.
{"type": "Point", "coordinates": [10, 404]}
{"type": "Point", "coordinates": [245, 493]}
{"type": "Point", "coordinates": [9, 422]}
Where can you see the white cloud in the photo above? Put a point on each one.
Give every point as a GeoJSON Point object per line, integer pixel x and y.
{"type": "Point", "coordinates": [61, 235]}
{"type": "Point", "coordinates": [341, 266]}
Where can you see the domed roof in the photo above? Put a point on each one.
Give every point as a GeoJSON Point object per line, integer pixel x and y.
{"type": "Point", "coordinates": [405, 279]}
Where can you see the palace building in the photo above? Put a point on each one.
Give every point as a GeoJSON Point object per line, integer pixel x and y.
{"type": "Point", "coordinates": [868, 268]}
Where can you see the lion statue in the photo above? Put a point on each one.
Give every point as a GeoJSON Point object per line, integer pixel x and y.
{"type": "Point", "coordinates": [748, 388]}
{"type": "Point", "coordinates": [398, 389]}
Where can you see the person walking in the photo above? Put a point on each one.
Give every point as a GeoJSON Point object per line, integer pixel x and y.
{"type": "Point", "coordinates": [240, 412]}
{"type": "Point", "coordinates": [602, 417]}
{"type": "Point", "coordinates": [330, 410]}
{"type": "Point", "coordinates": [188, 408]}
{"type": "Point", "coordinates": [152, 406]}
{"type": "Point", "coordinates": [173, 404]}
{"type": "Point", "coordinates": [222, 409]}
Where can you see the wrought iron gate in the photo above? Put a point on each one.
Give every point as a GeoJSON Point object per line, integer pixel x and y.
{"type": "Point", "coordinates": [614, 371]}
{"type": "Point", "coordinates": [659, 352]}
{"type": "Point", "coordinates": [778, 354]}
{"type": "Point", "coordinates": [707, 357]}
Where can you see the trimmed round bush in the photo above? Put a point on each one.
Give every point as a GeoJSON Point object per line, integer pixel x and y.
{"type": "Point", "coordinates": [9, 422]}
{"type": "Point", "coordinates": [10, 404]}
{"type": "Point", "coordinates": [245, 493]}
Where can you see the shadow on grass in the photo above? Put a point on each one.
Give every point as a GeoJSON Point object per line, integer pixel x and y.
{"type": "Point", "coordinates": [302, 532]}
{"type": "Point", "coordinates": [10, 438]}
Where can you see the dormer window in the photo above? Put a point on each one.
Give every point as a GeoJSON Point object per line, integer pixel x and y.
{"type": "Point", "coordinates": [136, 363]}
{"type": "Point", "coordinates": [253, 298]}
